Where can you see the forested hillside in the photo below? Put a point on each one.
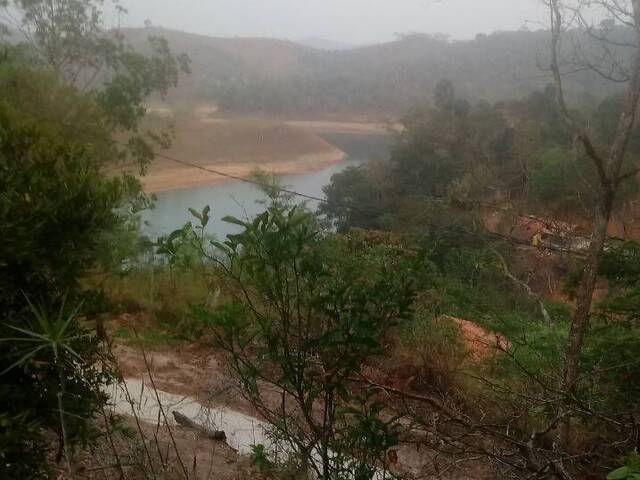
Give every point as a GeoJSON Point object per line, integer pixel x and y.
{"type": "Point", "coordinates": [276, 76]}
{"type": "Point", "coordinates": [457, 304]}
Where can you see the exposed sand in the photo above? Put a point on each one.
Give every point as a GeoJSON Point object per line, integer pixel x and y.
{"type": "Point", "coordinates": [480, 342]}
{"type": "Point", "coordinates": [321, 126]}
{"type": "Point", "coordinates": [314, 126]}
{"type": "Point", "coordinates": [167, 177]}
{"type": "Point", "coordinates": [237, 147]}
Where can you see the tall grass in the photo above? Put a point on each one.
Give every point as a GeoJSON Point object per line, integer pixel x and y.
{"type": "Point", "coordinates": [162, 300]}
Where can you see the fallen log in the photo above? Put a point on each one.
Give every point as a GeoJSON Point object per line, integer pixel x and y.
{"type": "Point", "coordinates": [186, 422]}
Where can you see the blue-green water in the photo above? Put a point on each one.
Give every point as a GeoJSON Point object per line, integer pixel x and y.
{"type": "Point", "coordinates": [240, 199]}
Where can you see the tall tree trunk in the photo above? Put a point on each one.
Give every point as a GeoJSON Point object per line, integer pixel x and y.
{"type": "Point", "coordinates": [609, 168]}
{"type": "Point", "coordinates": [580, 320]}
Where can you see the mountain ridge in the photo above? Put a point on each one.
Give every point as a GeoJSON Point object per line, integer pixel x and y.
{"type": "Point", "coordinates": [281, 76]}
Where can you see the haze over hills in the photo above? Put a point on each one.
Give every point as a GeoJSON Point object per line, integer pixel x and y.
{"type": "Point", "coordinates": [326, 44]}
{"type": "Point", "coordinates": [279, 76]}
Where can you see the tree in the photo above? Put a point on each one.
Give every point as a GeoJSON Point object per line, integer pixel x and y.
{"type": "Point", "coordinates": [69, 38]}
{"type": "Point", "coordinates": [55, 207]}
{"type": "Point", "coordinates": [444, 96]}
{"type": "Point", "coordinates": [608, 162]}
{"type": "Point", "coordinates": [306, 316]}
{"type": "Point", "coordinates": [59, 132]}
{"type": "Point", "coordinates": [354, 199]}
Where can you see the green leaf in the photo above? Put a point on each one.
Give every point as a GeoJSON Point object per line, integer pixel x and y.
{"type": "Point", "coordinates": [220, 246]}
{"type": "Point", "coordinates": [233, 221]}
{"type": "Point", "coordinates": [622, 473]}
{"type": "Point", "coordinates": [195, 213]}
{"type": "Point", "coordinates": [175, 235]}
{"type": "Point", "coordinates": [206, 216]}
{"type": "Point", "coordinates": [23, 359]}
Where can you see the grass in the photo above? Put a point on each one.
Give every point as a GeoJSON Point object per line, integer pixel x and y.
{"type": "Point", "coordinates": [163, 298]}
{"type": "Point", "coordinates": [149, 337]}
{"type": "Point", "coordinates": [153, 289]}
{"type": "Point", "coordinates": [174, 305]}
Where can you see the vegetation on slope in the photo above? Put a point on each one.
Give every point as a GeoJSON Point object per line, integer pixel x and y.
{"type": "Point", "coordinates": [358, 335]}
{"type": "Point", "coordinates": [262, 75]}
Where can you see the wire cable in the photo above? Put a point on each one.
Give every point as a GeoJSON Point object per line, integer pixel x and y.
{"type": "Point", "coordinates": [238, 178]}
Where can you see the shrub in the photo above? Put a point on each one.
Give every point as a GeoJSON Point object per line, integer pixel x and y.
{"type": "Point", "coordinates": [312, 312]}
{"type": "Point", "coordinates": [54, 207]}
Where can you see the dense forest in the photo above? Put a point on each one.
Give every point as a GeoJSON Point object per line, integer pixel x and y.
{"type": "Point", "coordinates": [512, 154]}
{"type": "Point", "coordinates": [461, 309]}
{"type": "Point", "coordinates": [248, 75]}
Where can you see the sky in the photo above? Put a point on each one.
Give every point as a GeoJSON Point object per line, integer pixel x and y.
{"type": "Point", "coordinates": [349, 21]}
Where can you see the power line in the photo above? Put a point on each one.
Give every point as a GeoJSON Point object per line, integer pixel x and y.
{"type": "Point", "coordinates": [213, 171]}
{"type": "Point", "coordinates": [238, 178]}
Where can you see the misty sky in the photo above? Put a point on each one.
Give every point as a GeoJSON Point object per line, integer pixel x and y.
{"type": "Point", "coordinates": [350, 21]}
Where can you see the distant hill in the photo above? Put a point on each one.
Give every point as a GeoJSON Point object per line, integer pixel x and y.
{"type": "Point", "coordinates": [277, 76]}
{"type": "Point", "coordinates": [324, 44]}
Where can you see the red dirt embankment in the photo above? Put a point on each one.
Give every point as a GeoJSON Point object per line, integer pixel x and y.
{"type": "Point", "coordinates": [480, 342]}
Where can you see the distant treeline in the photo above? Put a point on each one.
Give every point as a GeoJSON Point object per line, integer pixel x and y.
{"type": "Point", "coordinates": [515, 153]}
{"type": "Point", "coordinates": [249, 75]}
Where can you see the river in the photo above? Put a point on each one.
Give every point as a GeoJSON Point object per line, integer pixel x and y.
{"type": "Point", "coordinates": [241, 199]}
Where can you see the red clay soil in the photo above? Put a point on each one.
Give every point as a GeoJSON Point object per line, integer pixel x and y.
{"type": "Point", "coordinates": [481, 343]}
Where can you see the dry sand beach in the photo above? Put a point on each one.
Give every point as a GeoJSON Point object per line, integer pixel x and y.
{"type": "Point", "coordinates": [240, 146]}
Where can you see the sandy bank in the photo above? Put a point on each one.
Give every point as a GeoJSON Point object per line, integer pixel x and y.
{"type": "Point", "coordinates": [236, 147]}
{"type": "Point", "coordinates": [179, 176]}
{"type": "Point", "coordinates": [322, 126]}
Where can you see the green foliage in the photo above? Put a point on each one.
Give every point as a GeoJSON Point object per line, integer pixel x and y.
{"type": "Point", "coordinates": [444, 156]}
{"type": "Point", "coordinates": [428, 156]}
{"type": "Point", "coordinates": [353, 200]}
{"type": "Point", "coordinates": [605, 120]}
{"type": "Point", "coordinates": [68, 39]}
{"type": "Point", "coordinates": [196, 324]}
{"type": "Point", "coordinates": [610, 354]}
{"type": "Point", "coordinates": [20, 438]}
{"type": "Point", "coordinates": [550, 174]}
{"type": "Point", "coordinates": [631, 471]}
{"type": "Point", "coordinates": [52, 380]}
{"type": "Point", "coordinates": [387, 78]}
{"type": "Point", "coordinates": [312, 311]}
{"type": "Point", "coordinates": [181, 247]}
{"type": "Point", "coordinates": [444, 96]}
{"type": "Point", "coordinates": [61, 218]}
{"type": "Point", "coordinates": [55, 206]}
{"type": "Point", "coordinates": [260, 458]}
{"type": "Point", "coordinates": [611, 365]}
{"type": "Point", "coordinates": [470, 282]}
{"type": "Point", "coordinates": [459, 156]}
{"type": "Point", "coordinates": [621, 264]}
{"type": "Point", "coordinates": [366, 436]}
{"type": "Point", "coordinates": [148, 337]}
{"type": "Point", "coordinates": [434, 345]}
{"type": "Point", "coordinates": [548, 178]}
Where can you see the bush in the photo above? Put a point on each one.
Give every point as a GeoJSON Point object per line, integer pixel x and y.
{"type": "Point", "coordinates": [311, 312]}
{"type": "Point", "coordinates": [54, 208]}
{"type": "Point", "coordinates": [434, 346]}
